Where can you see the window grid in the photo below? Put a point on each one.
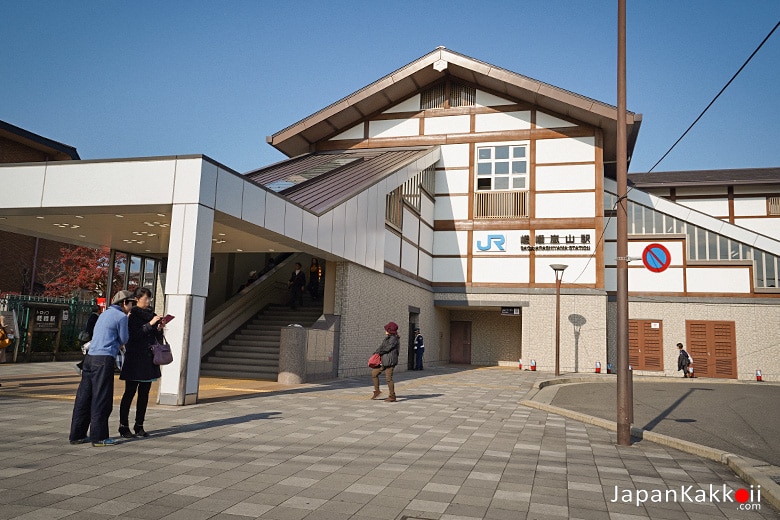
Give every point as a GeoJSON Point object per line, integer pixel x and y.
{"type": "Point", "coordinates": [502, 167]}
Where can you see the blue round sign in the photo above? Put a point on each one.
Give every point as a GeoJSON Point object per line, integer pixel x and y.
{"type": "Point", "coordinates": [656, 258]}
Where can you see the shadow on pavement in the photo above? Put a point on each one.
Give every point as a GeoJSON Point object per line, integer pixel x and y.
{"type": "Point", "coordinates": [663, 415]}
{"type": "Point", "coordinates": [184, 428]}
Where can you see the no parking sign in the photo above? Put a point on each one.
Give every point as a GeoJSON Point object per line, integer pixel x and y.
{"type": "Point", "coordinates": [656, 258]}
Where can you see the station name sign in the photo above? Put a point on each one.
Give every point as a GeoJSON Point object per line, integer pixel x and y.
{"type": "Point", "coordinates": [518, 242]}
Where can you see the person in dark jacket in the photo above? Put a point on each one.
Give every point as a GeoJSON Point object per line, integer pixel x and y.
{"type": "Point", "coordinates": [389, 352]}
{"type": "Point", "coordinates": [684, 360]}
{"type": "Point", "coordinates": [296, 285]}
{"type": "Point", "coordinates": [139, 370]}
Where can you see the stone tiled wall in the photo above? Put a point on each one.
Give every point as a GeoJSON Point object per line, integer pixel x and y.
{"type": "Point", "coordinates": [757, 329]}
{"type": "Point", "coordinates": [366, 301]}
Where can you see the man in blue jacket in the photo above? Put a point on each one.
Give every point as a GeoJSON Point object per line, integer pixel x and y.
{"type": "Point", "coordinates": [95, 395]}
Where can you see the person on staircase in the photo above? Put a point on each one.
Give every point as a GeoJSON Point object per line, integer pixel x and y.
{"type": "Point", "coordinates": [296, 285]}
{"type": "Point", "coordinates": [314, 279]}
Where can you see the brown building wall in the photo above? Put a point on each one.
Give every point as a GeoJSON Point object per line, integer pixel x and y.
{"type": "Point", "coordinates": [14, 152]}
{"type": "Point", "coordinates": [18, 251]}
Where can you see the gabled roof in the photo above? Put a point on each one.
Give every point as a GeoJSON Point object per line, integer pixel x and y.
{"type": "Point", "coordinates": [344, 174]}
{"type": "Point", "coordinates": [706, 177]}
{"type": "Point", "coordinates": [402, 83]}
{"type": "Point", "coordinates": [58, 151]}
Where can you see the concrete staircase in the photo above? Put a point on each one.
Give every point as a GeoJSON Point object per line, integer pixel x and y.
{"type": "Point", "coordinates": [252, 351]}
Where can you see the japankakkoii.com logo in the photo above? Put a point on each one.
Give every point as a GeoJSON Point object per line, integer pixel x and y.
{"type": "Point", "coordinates": [747, 499]}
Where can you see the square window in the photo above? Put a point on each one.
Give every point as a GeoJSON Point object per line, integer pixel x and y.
{"type": "Point", "coordinates": [484, 169]}
{"type": "Point", "coordinates": [502, 152]}
{"type": "Point", "coordinates": [518, 183]}
{"type": "Point", "coordinates": [518, 151]}
{"type": "Point", "coordinates": [501, 183]}
{"type": "Point", "coordinates": [518, 166]}
{"type": "Point", "coordinates": [485, 153]}
{"type": "Point", "coordinates": [484, 184]}
{"type": "Point", "coordinates": [502, 168]}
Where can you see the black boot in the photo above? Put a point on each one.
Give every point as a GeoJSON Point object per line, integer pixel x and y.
{"type": "Point", "coordinates": [139, 430]}
{"type": "Point", "coordinates": [125, 432]}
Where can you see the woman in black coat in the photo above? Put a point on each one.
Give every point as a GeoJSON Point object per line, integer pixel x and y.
{"type": "Point", "coordinates": [139, 370]}
{"type": "Point", "coordinates": [389, 352]}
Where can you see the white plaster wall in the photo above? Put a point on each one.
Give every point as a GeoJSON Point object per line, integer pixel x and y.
{"type": "Point", "coordinates": [350, 229]}
{"type": "Point", "coordinates": [570, 149]}
{"type": "Point", "coordinates": [408, 257]}
{"type": "Point", "coordinates": [392, 248]}
{"type": "Point", "coordinates": [410, 105]}
{"type": "Point", "coordinates": [189, 250]}
{"type": "Point", "coordinates": [718, 280]}
{"type": "Point", "coordinates": [451, 208]}
{"type": "Point", "coordinates": [500, 270]}
{"type": "Point", "coordinates": [356, 132]}
{"type": "Point", "coordinates": [426, 238]}
{"type": "Point", "coordinates": [375, 226]}
{"type": "Point", "coordinates": [426, 210]}
{"type": "Point", "coordinates": [195, 181]}
{"type": "Point", "coordinates": [449, 270]}
{"type": "Point", "coordinates": [566, 177]}
{"type": "Point", "coordinates": [450, 243]}
{"type": "Point", "coordinates": [453, 156]}
{"type": "Point", "coordinates": [310, 229]}
{"type": "Point", "coordinates": [563, 205]}
{"type": "Point", "coordinates": [500, 121]}
{"type": "Point", "coordinates": [452, 181]}
{"type": "Point", "coordinates": [293, 221]}
{"type": "Point", "coordinates": [425, 270]}
{"type": "Point", "coordinates": [547, 121]}
{"type": "Point", "coordinates": [447, 125]}
{"type": "Point", "coordinates": [675, 248]}
{"type": "Point", "coordinates": [644, 280]}
{"type": "Point", "coordinates": [750, 207]}
{"type": "Point", "coordinates": [713, 207]}
{"type": "Point", "coordinates": [362, 230]}
{"type": "Point", "coordinates": [394, 128]}
{"type": "Point", "coordinates": [511, 244]}
{"type": "Point", "coordinates": [766, 226]}
{"type": "Point", "coordinates": [579, 270]}
{"type": "Point", "coordinates": [485, 99]}
{"type": "Point", "coordinates": [411, 226]}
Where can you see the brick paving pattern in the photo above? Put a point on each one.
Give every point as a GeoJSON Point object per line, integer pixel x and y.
{"type": "Point", "coordinates": [456, 446]}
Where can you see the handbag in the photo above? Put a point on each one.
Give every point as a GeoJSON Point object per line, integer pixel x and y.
{"type": "Point", "coordinates": [85, 336]}
{"type": "Point", "coordinates": [120, 358]}
{"type": "Point", "coordinates": [375, 361]}
{"type": "Point", "coordinates": [161, 353]}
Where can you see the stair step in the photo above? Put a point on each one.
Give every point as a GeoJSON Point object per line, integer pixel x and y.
{"type": "Point", "coordinates": [245, 355]}
{"type": "Point", "coordinates": [264, 349]}
{"type": "Point", "coordinates": [242, 363]}
{"type": "Point", "coordinates": [230, 374]}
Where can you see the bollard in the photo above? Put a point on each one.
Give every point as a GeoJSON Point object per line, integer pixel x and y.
{"type": "Point", "coordinates": [609, 368]}
{"type": "Point", "coordinates": [759, 377]}
{"type": "Point", "coordinates": [598, 367]}
{"type": "Point", "coordinates": [519, 364]}
{"type": "Point", "coordinates": [533, 365]}
{"type": "Point", "coordinates": [690, 370]}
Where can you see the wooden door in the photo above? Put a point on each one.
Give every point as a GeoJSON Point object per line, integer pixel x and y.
{"type": "Point", "coordinates": [645, 344]}
{"type": "Point", "coordinates": [713, 347]}
{"type": "Point", "coordinates": [460, 342]}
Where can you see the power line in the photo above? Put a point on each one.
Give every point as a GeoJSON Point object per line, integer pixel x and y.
{"type": "Point", "coordinates": [716, 97]}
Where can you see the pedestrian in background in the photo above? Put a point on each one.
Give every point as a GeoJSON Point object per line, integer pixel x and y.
{"type": "Point", "coordinates": [389, 352]}
{"type": "Point", "coordinates": [296, 285]}
{"type": "Point", "coordinates": [419, 349]}
{"type": "Point", "coordinates": [95, 395]}
{"type": "Point", "coordinates": [683, 360]}
{"type": "Point", "coordinates": [139, 370]}
{"type": "Point", "coordinates": [314, 279]}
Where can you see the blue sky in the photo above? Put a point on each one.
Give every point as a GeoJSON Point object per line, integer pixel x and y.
{"type": "Point", "coordinates": [133, 79]}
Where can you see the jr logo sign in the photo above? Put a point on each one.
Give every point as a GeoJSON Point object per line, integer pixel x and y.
{"type": "Point", "coordinates": [497, 240]}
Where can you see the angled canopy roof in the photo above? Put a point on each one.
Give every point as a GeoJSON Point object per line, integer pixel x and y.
{"type": "Point", "coordinates": [397, 86]}
{"type": "Point", "coordinates": [320, 181]}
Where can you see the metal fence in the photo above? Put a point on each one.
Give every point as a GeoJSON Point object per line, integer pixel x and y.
{"type": "Point", "coordinates": [72, 316]}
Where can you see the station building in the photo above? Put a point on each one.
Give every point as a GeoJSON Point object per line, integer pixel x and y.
{"type": "Point", "coordinates": [438, 196]}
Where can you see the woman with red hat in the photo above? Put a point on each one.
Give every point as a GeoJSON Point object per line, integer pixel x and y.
{"type": "Point", "coordinates": [389, 352]}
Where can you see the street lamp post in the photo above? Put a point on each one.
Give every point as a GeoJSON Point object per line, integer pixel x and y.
{"type": "Point", "coordinates": [559, 269]}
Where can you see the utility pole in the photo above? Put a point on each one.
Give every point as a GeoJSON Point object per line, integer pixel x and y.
{"type": "Point", "coordinates": [624, 400]}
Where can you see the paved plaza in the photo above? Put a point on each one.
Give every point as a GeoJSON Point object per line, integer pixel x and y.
{"type": "Point", "coordinates": [457, 445]}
